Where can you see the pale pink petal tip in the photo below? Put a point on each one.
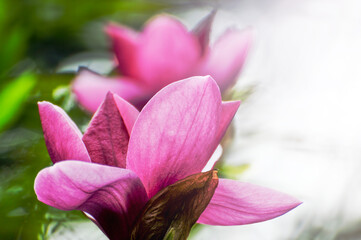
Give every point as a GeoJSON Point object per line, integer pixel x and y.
{"type": "Point", "coordinates": [237, 203]}
{"type": "Point", "coordinates": [119, 32]}
{"type": "Point", "coordinates": [203, 29]}
{"type": "Point", "coordinates": [113, 28]}
{"type": "Point", "coordinates": [226, 58]}
{"type": "Point", "coordinates": [128, 112]}
{"type": "Point", "coordinates": [125, 44]}
{"type": "Point", "coordinates": [229, 109]}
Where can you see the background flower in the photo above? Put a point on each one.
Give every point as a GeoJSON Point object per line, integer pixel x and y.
{"type": "Point", "coordinates": [162, 53]}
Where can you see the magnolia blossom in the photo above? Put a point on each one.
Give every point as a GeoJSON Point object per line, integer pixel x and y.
{"type": "Point", "coordinates": [162, 53]}
{"type": "Point", "coordinates": [127, 158]}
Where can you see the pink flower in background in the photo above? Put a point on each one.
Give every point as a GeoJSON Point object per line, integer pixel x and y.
{"type": "Point", "coordinates": [127, 157]}
{"type": "Point", "coordinates": [162, 53]}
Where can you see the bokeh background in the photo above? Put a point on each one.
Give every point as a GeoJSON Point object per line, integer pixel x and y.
{"type": "Point", "coordinates": [298, 130]}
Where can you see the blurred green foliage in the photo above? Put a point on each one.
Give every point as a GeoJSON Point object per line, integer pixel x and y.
{"type": "Point", "coordinates": [13, 97]}
{"type": "Point", "coordinates": [22, 155]}
{"type": "Point", "coordinates": [46, 31]}
{"type": "Point", "coordinates": [35, 37]}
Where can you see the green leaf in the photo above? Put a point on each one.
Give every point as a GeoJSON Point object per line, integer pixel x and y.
{"type": "Point", "coordinates": [233, 171]}
{"type": "Point", "coordinates": [240, 94]}
{"type": "Point", "coordinates": [13, 96]}
{"type": "Point", "coordinates": [13, 48]}
{"type": "Point", "coordinates": [64, 92]}
{"type": "Point", "coordinates": [172, 212]}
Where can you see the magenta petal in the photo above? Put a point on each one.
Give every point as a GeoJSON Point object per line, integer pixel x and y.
{"type": "Point", "coordinates": [107, 137]}
{"type": "Point", "coordinates": [226, 57]}
{"type": "Point", "coordinates": [168, 52]}
{"type": "Point", "coordinates": [128, 112]}
{"type": "Point", "coordinates": [90, 90]}
{"type": "Point", "coordinates": [229, 109]}
{"type": "Point", "coordinates": [174, 134]}
{"type": "Point", "coordinates": [113, 196]}
{"type": "Point", "coordinates": [203, 29]}
{"type": "Point", "coordinates": [62, 136]}
{"type": "Point", "coordinates": [125, 43]}
{"type": "Point", "coordinates": [237, 203]}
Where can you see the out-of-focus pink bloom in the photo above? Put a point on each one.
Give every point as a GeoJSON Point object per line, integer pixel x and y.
{"type": "Point", "coordinates": [125, 157]}
{"type": "Point", "coordinates": [162, 53]}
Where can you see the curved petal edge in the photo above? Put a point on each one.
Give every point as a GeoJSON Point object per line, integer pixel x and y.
{"type": "Point", "coordinates": [112, 196]}
{"type": "Point", "coordinates": [238, 203]}
{"type": "Point", "coordinates": [62, 137]}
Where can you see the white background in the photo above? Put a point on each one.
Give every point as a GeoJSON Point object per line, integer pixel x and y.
{"type": "Point", "coordinates": [301, 129]}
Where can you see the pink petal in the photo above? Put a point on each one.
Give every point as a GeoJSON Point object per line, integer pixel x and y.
{"type": "Point", "coordinates": [113, 196]}
{"type": "Point", "coordinates": [226, 58]}
{"type": "Point", "coordinates": [128, 112]}
{"type": "Point", "coordinates": [229, 109]}
{"type": "Point", "coordinates": [203, 29]}
{"type": "Point", "coordinates": [168, 52]}
{"type": "Point", "coordinates": [237, 203]}
{"type": "Point", "coordinates": [90, 90]}
{"type": "Point", "coordinates": [62, 137]}
{"type": "Point", "coordinates": [125, 43]}
{"type": "Point", "coordinates": [174, 134]}
{"type": "Point", "coordinates": [107, 137]}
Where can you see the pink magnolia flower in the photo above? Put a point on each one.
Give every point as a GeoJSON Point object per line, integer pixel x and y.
{"type": "Point", "coordinates": [162, 53]}
{"type": "Point", "coordinates": [126, 157]}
